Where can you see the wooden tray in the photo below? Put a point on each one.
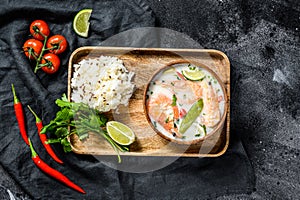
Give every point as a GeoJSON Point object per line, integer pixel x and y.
{"type": "Point", "coordinates": [144, 62]}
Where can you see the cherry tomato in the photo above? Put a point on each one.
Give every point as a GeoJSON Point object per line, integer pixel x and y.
{"type": "Point", "coordinates": [58, 43]}
{"type": "Point", "coordinates": [52, 63]}
{"type": "Point", "coordinates": [32, 48]}
{"type": "Point", "coordinates": [39, 29]}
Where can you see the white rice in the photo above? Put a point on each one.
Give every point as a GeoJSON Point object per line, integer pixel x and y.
{"type": "Point", "coordinates": [103, 83]}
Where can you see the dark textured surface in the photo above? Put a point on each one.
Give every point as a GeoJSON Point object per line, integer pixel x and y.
{"type": "Point", "coordinates": [262, 42]}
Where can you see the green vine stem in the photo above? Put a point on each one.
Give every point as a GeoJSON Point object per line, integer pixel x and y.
{"type": "Point", "coordinates": [41, 54]}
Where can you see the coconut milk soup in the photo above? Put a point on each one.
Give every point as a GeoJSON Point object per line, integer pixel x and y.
{"type": "Point", "coordinates": [185, 102]}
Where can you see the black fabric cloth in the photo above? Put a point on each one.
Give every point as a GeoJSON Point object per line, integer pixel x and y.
{"type": "Point", "coordinates": [186, 178]}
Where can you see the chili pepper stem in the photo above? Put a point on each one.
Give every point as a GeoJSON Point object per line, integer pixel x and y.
{"type": "Point", "coordinates": [33, 152]}
{"type": "Point", "coordinates": [16, 100]}
{"type": "Point", "coordinates": [37, 119]}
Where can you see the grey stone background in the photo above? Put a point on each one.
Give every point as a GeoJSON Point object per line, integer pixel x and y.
{"type": "Point", "coordinates": [261, 39]}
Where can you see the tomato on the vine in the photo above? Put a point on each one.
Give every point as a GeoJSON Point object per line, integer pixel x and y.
{"type": "Point", "coordinates": [32, 48]}
{"type": "Point", "coordinates": [50, 63]}
{"type": "Point", "coordinates": [57, 44]}
{"type": "Point", "coordinates": [39, 29]}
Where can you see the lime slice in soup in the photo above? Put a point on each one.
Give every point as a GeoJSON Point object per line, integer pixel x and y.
{"type": "Point", "coordinates": [193, 74]}
{"type": "Point", "coordinates": [81, 22]}
{"type": "Point", "coordinates": [120, 133]}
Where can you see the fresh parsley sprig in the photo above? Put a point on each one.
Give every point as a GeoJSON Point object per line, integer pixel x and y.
{"type": "Point", "coordinates": [79, 119]}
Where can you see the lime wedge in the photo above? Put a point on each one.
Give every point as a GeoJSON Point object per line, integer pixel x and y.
{"type": "Point", "coordinates": [193, 74]}
{"type": "Point", "coordinates": [81, 22]}
{"type": "Point", "coordinates": [120, 133]}
{"type": "Point", "coordinates": [191, 116]}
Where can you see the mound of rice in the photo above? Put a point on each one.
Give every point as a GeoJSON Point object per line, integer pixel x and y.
{"type": "Point", "coordinates": [103, 83]}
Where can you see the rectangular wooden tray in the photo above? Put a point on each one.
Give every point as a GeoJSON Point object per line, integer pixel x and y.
{"type": "Point", "coordinates": [144, 62]}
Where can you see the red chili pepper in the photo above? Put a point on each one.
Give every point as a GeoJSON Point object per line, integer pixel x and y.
{"type": "Point", "coordinates": [19, 115]}
{"type": "Point", "coordinates": [52, 172]}
{"type": "Point", "coordinates": [43, 137]}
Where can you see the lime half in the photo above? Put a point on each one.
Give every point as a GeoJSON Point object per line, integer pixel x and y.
{"type": "Point", "coordinates": [193, 74]}
{"type": "Point", "coordinates": [120, 133]}
{"type": "Point", "coordinates": [81, 22]}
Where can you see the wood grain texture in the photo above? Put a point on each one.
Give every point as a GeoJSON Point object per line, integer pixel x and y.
{"type": "Point", "coordinates": [144, 62]}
